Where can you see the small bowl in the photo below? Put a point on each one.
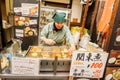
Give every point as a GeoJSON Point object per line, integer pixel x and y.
{"type": "Point", "coordinates": [112, 60]}
{"type": "Point", "coordinates": [108, 77]}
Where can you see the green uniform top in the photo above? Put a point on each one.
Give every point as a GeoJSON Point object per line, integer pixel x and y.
{"type": "Point", "coordinates": [58, 36]}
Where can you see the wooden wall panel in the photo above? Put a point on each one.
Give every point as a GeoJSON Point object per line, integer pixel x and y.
{"type": "Point", "coordinates": [114, 29]}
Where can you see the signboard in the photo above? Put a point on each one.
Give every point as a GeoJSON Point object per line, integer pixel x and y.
{"type": "Point", "coordinates": [29, 9]}
{"type": "Point", "coordinates": [25, 66]}
{"type": "Point", "coordinates": [26, 22]}
{"type": "Point", "coordinates": [88, 64]}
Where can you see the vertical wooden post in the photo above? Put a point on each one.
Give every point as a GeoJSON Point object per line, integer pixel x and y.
{"type": "Point", "coordinates": [84, 19]}
{"type": "Point", "coordinates": [94, 16]}
{"type": "Point", "coordinates": [112, 20]}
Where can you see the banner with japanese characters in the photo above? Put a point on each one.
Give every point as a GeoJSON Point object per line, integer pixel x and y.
{"type": "Point", "coordinates": [88, 64]}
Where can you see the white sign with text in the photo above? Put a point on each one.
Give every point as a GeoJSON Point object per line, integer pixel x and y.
{"type": "Point", "coordinates": [25, 66]}
{"type": "Point", "coordinates": [88, 64]}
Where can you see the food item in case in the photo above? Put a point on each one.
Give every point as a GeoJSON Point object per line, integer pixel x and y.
{"type": "Point", "coordinates": [65, 53]}
{"type": "Point", "coordinates": [114, 70]}
{"type": "Point", "coordinates": [27, 29]}
{"type": "Point", "coordinates": [44, 55]}
{"type": "Point", "coordinates": [65, 50]}
{"type": "Point", "coordinates": [20, 23]}
{"type": "Point", "coordinates": [112, 60]}
{"type": "Point", "coordinates": [4, 62]}
{"type": "Point", "coordinates": [108, 77]}
{"type": "Point", "coordinates": [53, 55]}
{"type": "Point", "coordinates": [33, 55]}
{"type": "Point", "coordinates": [58, 55]}
{"type": "Point", "coordinates": [56, 50]}
{"type": "Point", "coordinates": [118, 56]}
{"type": "Point", "coordinates": [30, 33]}
{"type": "Point", "coordinates": [116, 75]}
{"type": "Point", "coordinates": [48, 52]}
{"type": "Point", "coordinates": [34, 10]}
{"type": "Point", "coordinates": [35, 49]}
{"type": "Point", "coordinates": [117, 62]}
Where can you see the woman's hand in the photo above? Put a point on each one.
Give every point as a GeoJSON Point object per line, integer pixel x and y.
{"type": "Point", "coordinates": [71, 49]}
{"type": "Point", "coordinates": [49, 41]}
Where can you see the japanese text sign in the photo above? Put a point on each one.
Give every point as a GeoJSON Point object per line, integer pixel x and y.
{"type": "Point", "coordinates": [88, 64]}
{"type": "Point", "coordinates": [25, 66]}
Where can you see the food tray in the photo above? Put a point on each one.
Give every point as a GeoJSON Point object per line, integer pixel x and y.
{"type": "Point", "coordinates": [48, 52]}
{"type": "Point", "coordinates": [55, 58]}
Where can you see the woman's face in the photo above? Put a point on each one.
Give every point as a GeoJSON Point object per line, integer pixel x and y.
{"type": "Point", "coordinates": [59, 25]}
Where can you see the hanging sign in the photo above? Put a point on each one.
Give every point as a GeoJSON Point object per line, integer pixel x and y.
{"type": "Point", "coordinates": [25, 66]}
{"type": "Point", "coordinates": [88, 64]}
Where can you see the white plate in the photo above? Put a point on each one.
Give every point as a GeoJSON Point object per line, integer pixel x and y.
{"type": "Point", "coordinates": [108, 77]}
{"type": "Point", "coordinates": [118, 38]}
{"type": "Point", "coordinates": [112, 60]}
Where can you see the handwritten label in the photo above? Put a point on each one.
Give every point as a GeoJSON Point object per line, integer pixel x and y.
{"type": "Point", "coordinates": [25, 66]}
{"type": "Point", "coordinates": [88, 64]}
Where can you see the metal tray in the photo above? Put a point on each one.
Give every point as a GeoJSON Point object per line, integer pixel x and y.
{"type": "Point", "coordinates": [49, 63]}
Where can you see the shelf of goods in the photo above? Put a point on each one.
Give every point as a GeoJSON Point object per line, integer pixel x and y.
{"type": "Point", "coordinates": [113, 65]}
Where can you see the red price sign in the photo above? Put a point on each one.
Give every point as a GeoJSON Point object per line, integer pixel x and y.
{"type": "Point", "coordinates": [96, 65]}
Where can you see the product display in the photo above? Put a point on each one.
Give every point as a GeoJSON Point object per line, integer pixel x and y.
{"type": "Point", "coordinates": [26, 22]}
{"type": "Point", "coordinates": [116, 74]}
{"type": "Point", "coordinates": [112, 69]}
{"type": "Point", "coordinates": [4, 62]}
{"type": "Point", "coordinates": [48, 52]}
{"type": "Point", "coordinates": [114, 58]}
{"type": "Point", "coordinates": [46, 14]}
{"type": "Point", "coordinates": [33, 55]}
{"type": "Point", "coordinates": [28, 58]}
{"type": "Point", "coordinates": [112, 73]}
{"type": "Point", "coordinates": [108, 77]}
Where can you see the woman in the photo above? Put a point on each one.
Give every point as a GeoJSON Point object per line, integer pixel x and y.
{"type": "Point", "coordinates": [56, 33]}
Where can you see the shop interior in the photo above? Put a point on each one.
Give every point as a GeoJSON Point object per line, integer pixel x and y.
{"type": "Point", "coordinates": [95, 28]}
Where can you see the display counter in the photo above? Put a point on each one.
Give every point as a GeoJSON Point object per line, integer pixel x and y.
{"type": "Point", "coordinates": [56, 71]}
{"type": "Point", "coordinates": [44, 75]}
{"type": "Point", "coordinates": [56, 67]}
{"type": "Point", "coordinates": [51, 67]}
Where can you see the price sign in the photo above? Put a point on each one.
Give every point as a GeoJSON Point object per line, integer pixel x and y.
{"type": "Point", "coordinates": [88, 64]}
{"type": "Point", "coordinates": [25, 66]}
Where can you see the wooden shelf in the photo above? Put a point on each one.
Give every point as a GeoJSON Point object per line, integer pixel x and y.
{"type": "Point", "coordinates": [59, 3]}
{"type": "Point", "coordinates": [113, 65]}
{"type": "Point", "coordinates": [75, 24]}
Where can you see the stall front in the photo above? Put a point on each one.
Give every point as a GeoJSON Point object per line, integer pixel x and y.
{"type": "Point", "coordinates": [54, 63]}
